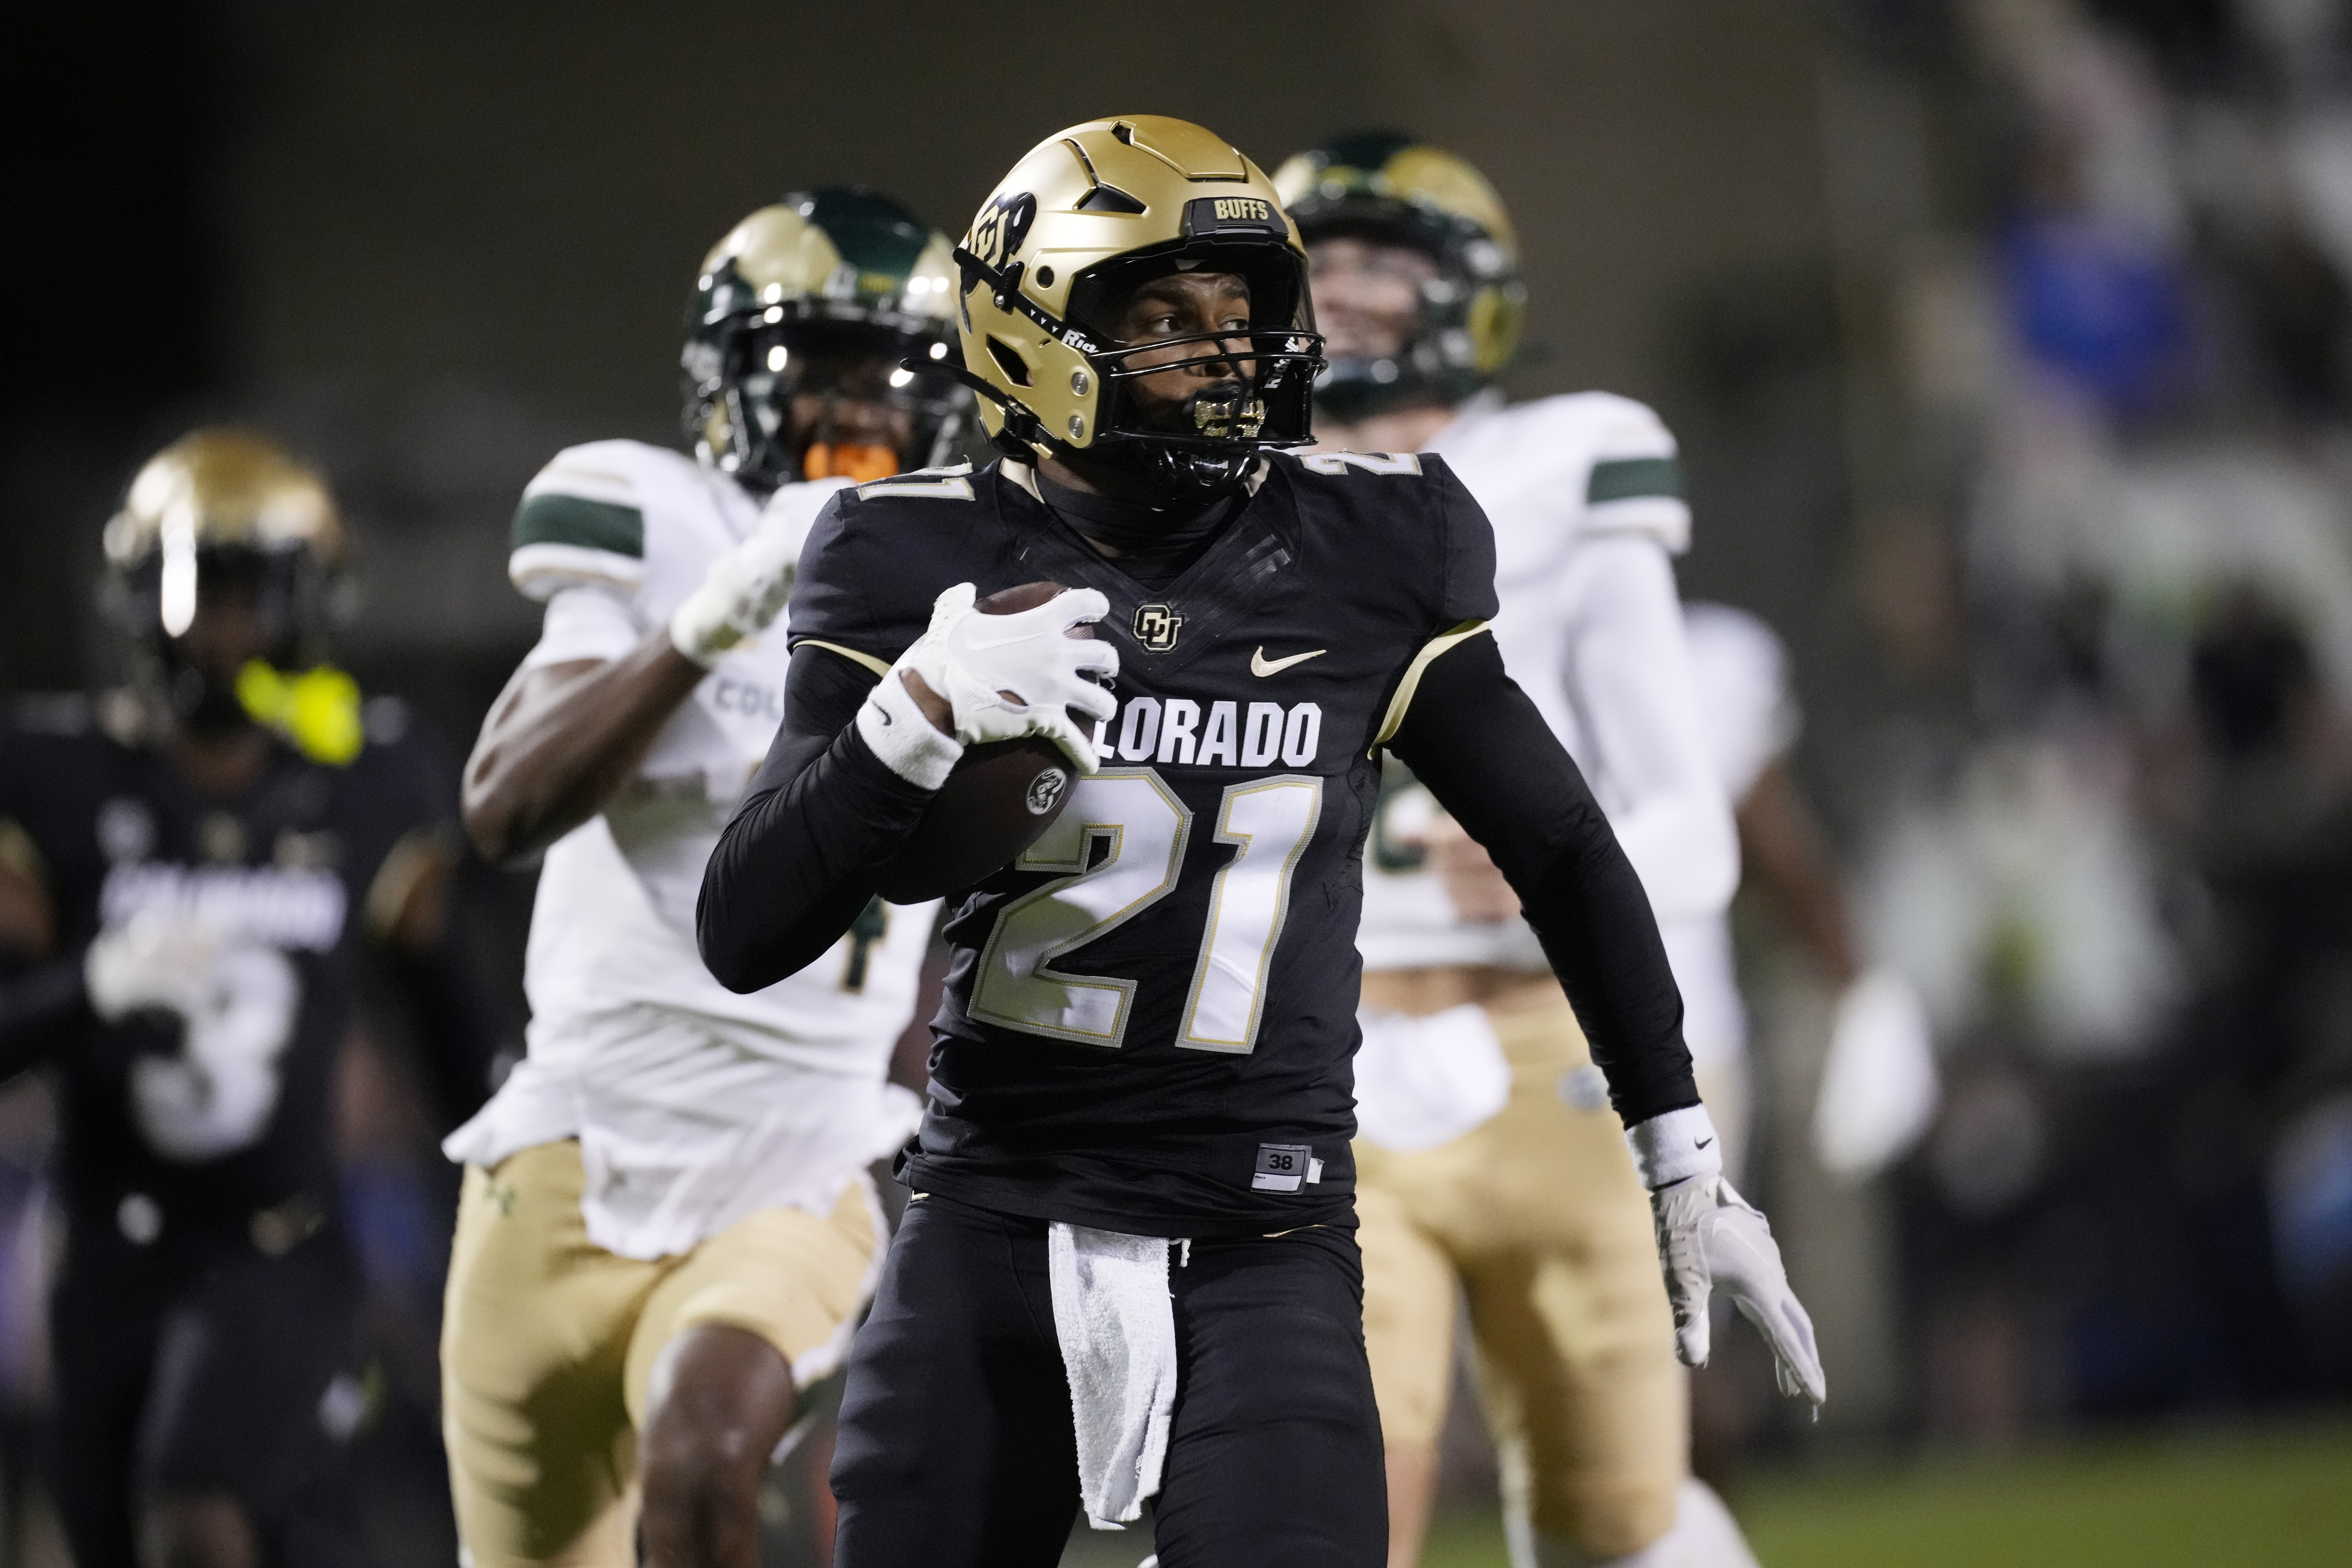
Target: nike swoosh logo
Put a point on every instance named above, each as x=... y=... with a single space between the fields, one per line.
x=1261 y=665
x=1703 y=1142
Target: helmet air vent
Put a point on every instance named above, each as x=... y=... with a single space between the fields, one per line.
x=1109 y=199
x=1015 y=369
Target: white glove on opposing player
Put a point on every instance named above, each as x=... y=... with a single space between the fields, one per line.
x=746 y=587
x=1880 y=1085
x=238 y=1002
x=1003 y=676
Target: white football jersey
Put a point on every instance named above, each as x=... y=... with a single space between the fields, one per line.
x=693 y=1105
x=1745 y=701
x=1584 y=494
x=1740 y=672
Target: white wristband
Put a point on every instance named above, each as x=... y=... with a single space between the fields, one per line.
x=1677 y=1145
x=909 y=744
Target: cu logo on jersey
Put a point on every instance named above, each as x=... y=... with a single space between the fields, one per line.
x=1003 y=224
x=1156 y=626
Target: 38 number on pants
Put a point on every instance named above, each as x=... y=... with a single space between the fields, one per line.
x=1121 y=841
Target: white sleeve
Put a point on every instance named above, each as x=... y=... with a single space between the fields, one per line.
x=1747 y=713
x=586 y=623
x=1629 y=675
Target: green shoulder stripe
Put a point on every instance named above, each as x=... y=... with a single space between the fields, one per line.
x=587 y=525
x=1632 y=479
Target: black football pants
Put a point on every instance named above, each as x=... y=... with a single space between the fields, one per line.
x=957 y=1450
x=192 y=1364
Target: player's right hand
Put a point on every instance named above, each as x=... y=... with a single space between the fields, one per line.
x=744 y=589
x=1003 y=677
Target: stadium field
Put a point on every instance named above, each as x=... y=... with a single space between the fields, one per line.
x=2279 y=1498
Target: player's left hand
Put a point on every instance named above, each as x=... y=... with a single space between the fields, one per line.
x=1710 y=1236
x=237 y=1003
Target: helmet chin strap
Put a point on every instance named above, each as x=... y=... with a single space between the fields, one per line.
x=1023 y=429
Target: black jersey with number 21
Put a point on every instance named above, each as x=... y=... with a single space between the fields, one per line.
x=1150 y=1015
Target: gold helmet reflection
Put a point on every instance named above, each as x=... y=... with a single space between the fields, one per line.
x=213 y=489
x=1089 y=213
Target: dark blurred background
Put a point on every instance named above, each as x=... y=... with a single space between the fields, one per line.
x=2009 y=345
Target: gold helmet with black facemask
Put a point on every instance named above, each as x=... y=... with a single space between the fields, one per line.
x=1087 y=218
x=826 y=297
x=1387 y=188
x=231 y=517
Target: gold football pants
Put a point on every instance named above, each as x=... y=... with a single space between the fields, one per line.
x=547 y=1345
x=1539 y=1218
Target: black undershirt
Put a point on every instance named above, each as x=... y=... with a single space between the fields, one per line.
x=1154 y=544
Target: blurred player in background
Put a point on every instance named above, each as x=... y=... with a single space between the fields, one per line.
x=187 y=873
x=1489 y=1162
x=667 y=1230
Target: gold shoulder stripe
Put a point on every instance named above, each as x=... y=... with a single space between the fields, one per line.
x=1393 y=719
x=851 y=653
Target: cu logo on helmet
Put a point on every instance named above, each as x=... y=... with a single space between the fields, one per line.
x=1156 y=626
x=1003 y=224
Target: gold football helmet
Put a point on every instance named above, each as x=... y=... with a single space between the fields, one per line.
x=1387 y=186
x=1090 y=214
x=229 y=513
x=815 y=296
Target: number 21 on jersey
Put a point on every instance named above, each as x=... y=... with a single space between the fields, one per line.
x=1120 y=845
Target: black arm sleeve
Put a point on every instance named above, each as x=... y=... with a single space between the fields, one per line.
x=37 y=1000
x=1485 y=752
x=808 y=845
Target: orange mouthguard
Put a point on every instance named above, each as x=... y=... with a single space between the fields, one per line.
x=825 y=460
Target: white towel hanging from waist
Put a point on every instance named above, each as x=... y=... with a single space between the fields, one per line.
x=1117 y=1325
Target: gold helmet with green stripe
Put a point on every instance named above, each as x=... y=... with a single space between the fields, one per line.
x=1089 y=216
x=827 y=298
x=1388 y=188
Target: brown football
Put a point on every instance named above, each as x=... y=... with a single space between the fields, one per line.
x=999 y=799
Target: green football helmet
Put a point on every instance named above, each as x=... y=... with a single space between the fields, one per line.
x=1385 y=186
x=804 y=301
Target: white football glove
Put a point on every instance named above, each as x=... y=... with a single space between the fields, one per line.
x=237 y=1001
x=1003 y=676
x=1710 y=1236
x=745 y=589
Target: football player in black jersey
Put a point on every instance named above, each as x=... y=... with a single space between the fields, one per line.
x=186 y=876
x=1127 y=1270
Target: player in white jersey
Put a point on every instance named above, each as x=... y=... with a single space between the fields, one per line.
x=1489 y=1166
x=667 y=1230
